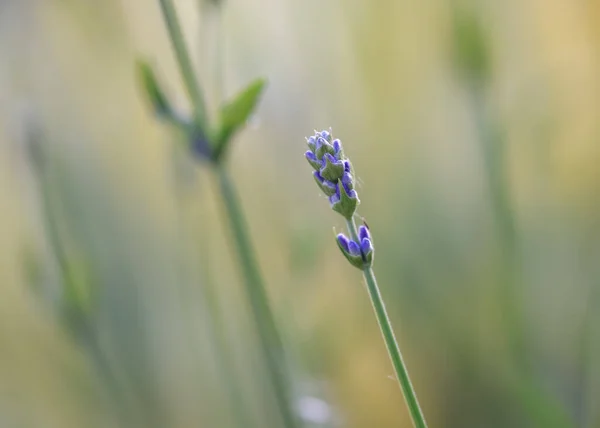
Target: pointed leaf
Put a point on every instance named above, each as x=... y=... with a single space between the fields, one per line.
x=235 y=114
x=154 y=92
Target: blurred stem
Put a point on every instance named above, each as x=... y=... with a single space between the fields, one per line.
x=213 y=37
x=391 y=343
x=270 y=339
x=185 y=64
x=539 y=403
x=493 y=149
x=76 y=319
x=223 y=357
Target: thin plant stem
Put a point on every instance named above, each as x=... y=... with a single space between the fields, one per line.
x=390 y=340
x=215 y=329
x=185 y=63
x=270 y=340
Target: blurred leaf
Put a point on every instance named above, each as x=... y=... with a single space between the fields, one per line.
x=154 y=92
x=78 y=290
x=471 y=50
x=235 y=114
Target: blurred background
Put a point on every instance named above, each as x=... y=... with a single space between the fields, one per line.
x=474 y=130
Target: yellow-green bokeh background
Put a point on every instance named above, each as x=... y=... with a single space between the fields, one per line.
x=146 y=223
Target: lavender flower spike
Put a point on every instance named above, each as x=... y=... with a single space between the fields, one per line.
x=333 y=172
x=334 y=175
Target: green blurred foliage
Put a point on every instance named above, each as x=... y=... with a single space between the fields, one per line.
x=442 y=164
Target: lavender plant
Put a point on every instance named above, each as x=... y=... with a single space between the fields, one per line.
x=334 y=175
x=209 y=142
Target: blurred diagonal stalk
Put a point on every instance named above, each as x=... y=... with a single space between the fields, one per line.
x=493 y=152
x=271 y=343
x=269 y=337
x=186 y=66
x=541 y=405
x=75 y=312
x=391 y=343
x=215 y=323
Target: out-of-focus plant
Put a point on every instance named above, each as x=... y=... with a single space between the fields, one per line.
x=335 y=177
x=473 y=62
x=210 y=142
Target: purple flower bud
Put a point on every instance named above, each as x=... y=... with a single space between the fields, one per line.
x=348 y=180
x=347 y=166
x=335 y=198
x=312 y=160
x=353 y=248
x=366 y=246
x=349 y=190
x=351 y=251
x=337 y=145
x=326 y=135
x=326 y=186
x=343 y=241
x=318 y=176
x=363 y=233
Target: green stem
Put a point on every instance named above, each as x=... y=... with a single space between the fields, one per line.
x=185 y=63
x=390 y=341
x=270 y=340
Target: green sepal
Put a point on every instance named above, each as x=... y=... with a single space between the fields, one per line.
x=235 y=114
x=324 y=148
x=315 y=164
x=154 y=92
x=332 y=172
x=369 y=258
x=346 y=206
x=327 y=190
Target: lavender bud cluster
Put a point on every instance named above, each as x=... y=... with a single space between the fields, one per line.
x=333 y=172
x=334 y=175
x=359 y=254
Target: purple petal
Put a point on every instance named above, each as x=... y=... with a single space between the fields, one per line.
x=324 y=134
x=366 y=246
x=343 y=242
x=337 y=145
x=363 y=233
x=353 y=248
x=347 y=180
x=329 y=184
x=330 y=158
x=350 y=192
x=318 y=176
x=347 y=166
x=335 y=198
x=310 y=156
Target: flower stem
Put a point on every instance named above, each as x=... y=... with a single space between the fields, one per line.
x=390 y=340
x=270 y=340
x=185 y=63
